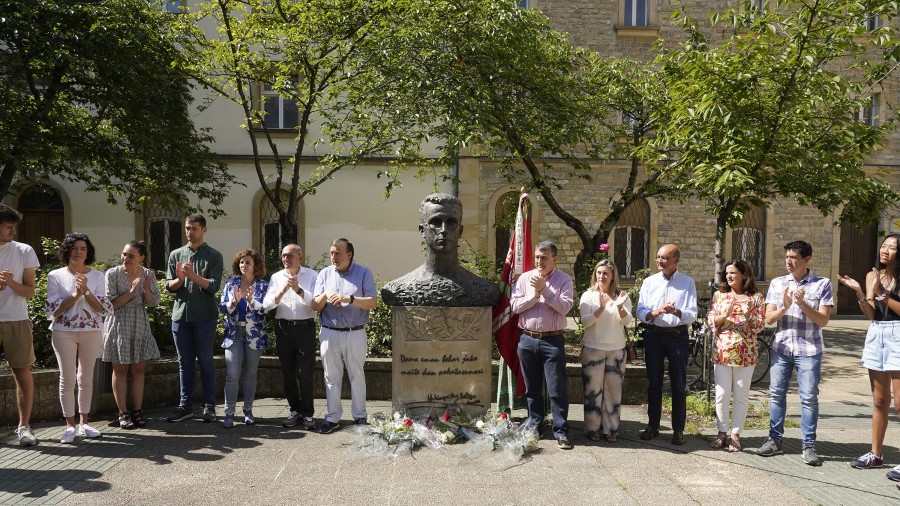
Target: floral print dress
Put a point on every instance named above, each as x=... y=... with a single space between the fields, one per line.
x=735 y=343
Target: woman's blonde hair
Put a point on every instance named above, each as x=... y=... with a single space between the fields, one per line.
x=613 y=284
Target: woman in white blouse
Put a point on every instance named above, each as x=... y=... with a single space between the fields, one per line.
x=605 y=312
x=76 y=303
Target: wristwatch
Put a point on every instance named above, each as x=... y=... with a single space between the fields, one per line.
x=87 y=292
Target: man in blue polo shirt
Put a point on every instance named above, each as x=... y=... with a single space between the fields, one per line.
x=344 y=295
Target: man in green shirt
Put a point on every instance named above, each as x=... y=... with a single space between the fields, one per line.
x=193 y=276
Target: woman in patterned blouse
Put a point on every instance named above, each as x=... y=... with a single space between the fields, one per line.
x=736 y=316
x=76 y=303
x=245 y=330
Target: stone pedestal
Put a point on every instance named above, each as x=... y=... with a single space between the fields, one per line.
x=442 y=358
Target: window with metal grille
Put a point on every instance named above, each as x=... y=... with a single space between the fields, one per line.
x=164 y=233
x=631 y=239
x=504 y=221
x=636 y=12
x=873 y=22
x=748 y=240
x=270 y=228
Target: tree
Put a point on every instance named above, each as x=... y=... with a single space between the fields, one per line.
x=320 y=57
x=500 y=82
x=773 y=109
x=90 y=95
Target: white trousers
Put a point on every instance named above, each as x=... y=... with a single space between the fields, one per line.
x=76 y=354
x=340 y=349
x=732 y=382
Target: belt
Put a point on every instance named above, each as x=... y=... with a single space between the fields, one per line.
x=283 y=321
x=668 y=330
x=344 y=329
x=541 y=335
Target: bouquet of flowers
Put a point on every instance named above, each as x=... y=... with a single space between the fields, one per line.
x=497 y=431
x=391 y=436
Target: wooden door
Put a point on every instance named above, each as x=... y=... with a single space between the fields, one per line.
x=858 y=256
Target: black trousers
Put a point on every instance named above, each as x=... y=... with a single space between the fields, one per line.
x=296 y=347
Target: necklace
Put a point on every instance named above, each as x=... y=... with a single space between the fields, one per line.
x=82 y=271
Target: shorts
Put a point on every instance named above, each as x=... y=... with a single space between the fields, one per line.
x=882 y=349
x=18 y=343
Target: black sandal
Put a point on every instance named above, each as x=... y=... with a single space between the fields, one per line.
x=125 y=421
x=137 y=418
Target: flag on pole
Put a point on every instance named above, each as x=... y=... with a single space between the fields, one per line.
x=519 y=259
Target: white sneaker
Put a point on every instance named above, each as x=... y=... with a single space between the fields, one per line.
x=26 y=437
x=68 y=436
x=87 y=431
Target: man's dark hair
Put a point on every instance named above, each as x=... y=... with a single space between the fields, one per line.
x=196 y=218
x=440 y=199
x=9 y=215
x=348 y=246
x=802 y=247
x=546 y=246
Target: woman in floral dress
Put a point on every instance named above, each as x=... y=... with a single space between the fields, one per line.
x=736 y=316
x=76 y=304
x=245 y=330
x=127 y=339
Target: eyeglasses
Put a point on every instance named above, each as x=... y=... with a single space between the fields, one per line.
x=82 y=237
x=663 y=259
x=288 y=255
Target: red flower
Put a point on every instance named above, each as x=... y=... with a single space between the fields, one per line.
x=446 y=416
x=407 y=422
x=503 y=416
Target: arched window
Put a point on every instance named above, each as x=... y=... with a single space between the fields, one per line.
x=164 y=229
x=631 y=239
x=270 y=229
x=43 y=215
x=504 y=222
x=748 y=240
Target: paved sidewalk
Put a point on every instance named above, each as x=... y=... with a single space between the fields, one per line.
x=192 y=461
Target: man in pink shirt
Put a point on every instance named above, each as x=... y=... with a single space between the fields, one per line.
x=542 y=298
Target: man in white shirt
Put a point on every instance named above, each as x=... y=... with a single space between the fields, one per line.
x=291 y=293
x=18 y=269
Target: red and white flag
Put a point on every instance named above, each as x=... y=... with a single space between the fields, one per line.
x=519 y=259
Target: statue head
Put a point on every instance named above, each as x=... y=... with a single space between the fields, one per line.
x=439 y=222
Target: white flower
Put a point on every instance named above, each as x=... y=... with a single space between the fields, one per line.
x=397 y=415
x=479 y=424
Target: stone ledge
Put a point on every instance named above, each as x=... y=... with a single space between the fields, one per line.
x=161 y=386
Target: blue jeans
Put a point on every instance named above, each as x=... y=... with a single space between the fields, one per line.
x=236 y=355
x=658 y=346
x=194 y=341
x=808 y=375
x=539 y=360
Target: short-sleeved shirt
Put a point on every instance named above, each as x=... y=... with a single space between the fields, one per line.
x=192 y=303
x=797 y=335
x=16 y=257
x=357 y=281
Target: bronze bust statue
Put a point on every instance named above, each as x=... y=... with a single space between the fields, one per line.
x=441 y=280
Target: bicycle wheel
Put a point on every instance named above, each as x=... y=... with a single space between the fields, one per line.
x=763 y=360
x=695 y=378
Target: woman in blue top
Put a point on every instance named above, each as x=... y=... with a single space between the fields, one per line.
x=245 y=330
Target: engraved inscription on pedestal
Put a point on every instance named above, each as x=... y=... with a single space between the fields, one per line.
x=442 y=357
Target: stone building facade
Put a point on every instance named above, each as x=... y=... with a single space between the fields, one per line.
x=599 y=25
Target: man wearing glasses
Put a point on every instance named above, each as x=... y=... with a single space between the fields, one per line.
x=193 y=276
x=667 y=305
x=542 y=297
x=344 y=294
x=291 y=293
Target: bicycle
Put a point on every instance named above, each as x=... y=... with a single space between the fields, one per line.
x=700 y=346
